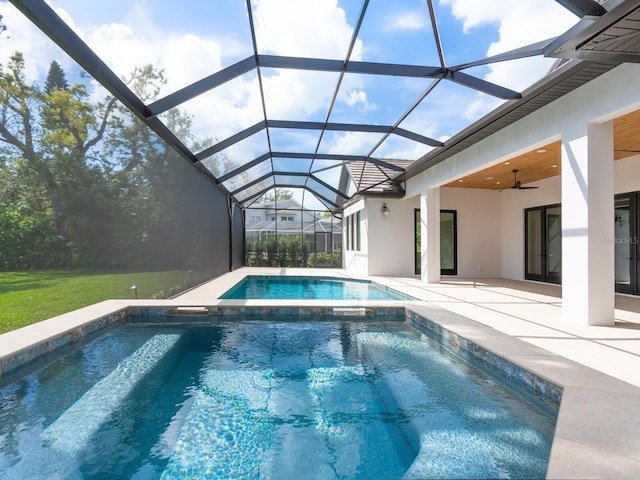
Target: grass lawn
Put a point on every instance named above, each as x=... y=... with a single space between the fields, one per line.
x=28 y=297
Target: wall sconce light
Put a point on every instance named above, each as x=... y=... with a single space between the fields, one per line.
x=385 y=210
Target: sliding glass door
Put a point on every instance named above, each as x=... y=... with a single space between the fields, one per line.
x=543 y=244
x=626 y=228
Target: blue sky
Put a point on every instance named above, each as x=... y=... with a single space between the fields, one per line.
x=193 y=39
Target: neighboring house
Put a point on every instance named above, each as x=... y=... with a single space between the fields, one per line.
x=322 y=232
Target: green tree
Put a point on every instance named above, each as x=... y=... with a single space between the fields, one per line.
x=56 y=79
x=53 y=134
x=276 y=194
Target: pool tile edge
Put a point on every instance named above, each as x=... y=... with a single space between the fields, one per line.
x=589 y=398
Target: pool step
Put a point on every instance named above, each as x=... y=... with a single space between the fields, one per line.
x=260 y=424
x=445 y=447
x=228 y=428
x=74 y=429
x=353 y=422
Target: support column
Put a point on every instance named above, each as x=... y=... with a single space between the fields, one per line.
x=587 y=225
x=430 y=235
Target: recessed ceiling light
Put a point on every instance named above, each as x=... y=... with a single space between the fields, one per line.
x=542 y=150
x=497 y=183
x=554 y=166
x=489 y=178
x=460 y=180
x=507 y=163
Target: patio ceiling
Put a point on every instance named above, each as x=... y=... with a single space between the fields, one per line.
x=377 y=100
x=544 y=161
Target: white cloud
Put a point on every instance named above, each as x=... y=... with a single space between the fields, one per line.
x=406 y=150
x=473 y=13
x=313 y=28
x=351 y=143
x=480 y=106
x=407 y=21
x=189 y=58
x=518 y=23
x=358 y=99
x=118 y=46
x=21 y=35
x=297 y=94
x=355 y=96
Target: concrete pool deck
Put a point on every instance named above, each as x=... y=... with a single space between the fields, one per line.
x=598 y=429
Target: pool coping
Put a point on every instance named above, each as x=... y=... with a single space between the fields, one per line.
x=597 y=431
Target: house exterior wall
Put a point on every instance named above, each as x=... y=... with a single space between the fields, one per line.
x=387 y=244
x=627 y=175
x=356 y=261
x=479 y=229
x=391 y=240
x=491 y=223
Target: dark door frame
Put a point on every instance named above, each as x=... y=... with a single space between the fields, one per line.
x=454 y=270
x=544 y=276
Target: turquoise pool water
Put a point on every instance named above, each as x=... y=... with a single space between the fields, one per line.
x=247 y=399
x=310 y=288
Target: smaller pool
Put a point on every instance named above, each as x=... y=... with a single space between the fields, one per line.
x=310 y=288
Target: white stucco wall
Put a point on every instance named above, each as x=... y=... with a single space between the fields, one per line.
x=479 y=229
x=391 y=240
x=356 y=262
x=627 y=175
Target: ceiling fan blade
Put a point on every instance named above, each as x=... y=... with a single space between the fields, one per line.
x=517 y=183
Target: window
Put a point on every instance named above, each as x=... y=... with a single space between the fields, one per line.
x=353 y=232
x=358 y=231
x=353 y=237
x=417 y=242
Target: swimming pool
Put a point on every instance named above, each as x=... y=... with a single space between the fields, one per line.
x=178 y=399
x=310 y=288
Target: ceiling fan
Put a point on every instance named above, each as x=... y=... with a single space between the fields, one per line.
x=517 y=184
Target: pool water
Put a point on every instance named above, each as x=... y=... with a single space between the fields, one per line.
x=310 y=288
x=268 y=399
